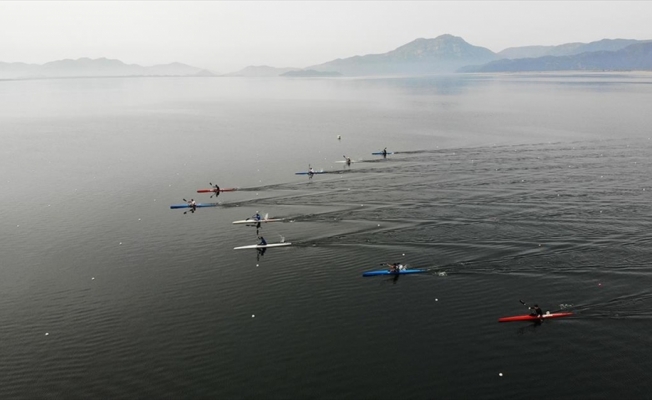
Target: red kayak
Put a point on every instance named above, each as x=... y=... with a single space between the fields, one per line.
x=213 y=190
x=528 y=317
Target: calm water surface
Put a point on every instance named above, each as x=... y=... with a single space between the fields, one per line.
x=506 y=188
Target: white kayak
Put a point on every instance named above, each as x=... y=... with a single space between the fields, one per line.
x=254 y=222
x=262 y=246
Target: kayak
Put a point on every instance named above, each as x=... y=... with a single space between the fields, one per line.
x=198 y=205
x=380 y=153
x=254 y=222
x=262 y=246
x=308 y=173
x=213 y=190
x=529 y=317
x=401 y=272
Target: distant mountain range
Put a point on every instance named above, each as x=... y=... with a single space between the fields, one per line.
x=101 y=67
x=635 y=57
x=448 y=53
x=443 y=54
x=568 y=49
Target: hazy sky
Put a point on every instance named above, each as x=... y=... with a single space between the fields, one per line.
x=227 y=36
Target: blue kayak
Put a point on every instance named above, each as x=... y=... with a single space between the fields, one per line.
x=198 y=205
x=380 y=153
x=401 y=272
x=308 y=173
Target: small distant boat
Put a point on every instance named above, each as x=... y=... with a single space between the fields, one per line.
x=380 y=153
x=528 y=317
x=399 y=272
x=308 y=173
x=251 y=221
x=262 y=246
x=198 y=205
x=213 y=190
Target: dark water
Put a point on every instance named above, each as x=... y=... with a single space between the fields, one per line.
x=506 y=188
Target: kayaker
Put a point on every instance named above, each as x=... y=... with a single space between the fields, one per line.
x=536 y=311
x=262 y=241
x=192 y=204
x=348 y=161
x=385 y=152
x=311 y=172
x=217 y=190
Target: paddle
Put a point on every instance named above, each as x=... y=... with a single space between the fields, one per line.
x=217 y=189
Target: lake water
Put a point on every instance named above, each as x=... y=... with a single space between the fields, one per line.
x=505 y=187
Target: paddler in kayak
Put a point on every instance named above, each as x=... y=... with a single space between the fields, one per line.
x=311 y=172
x=396 y=267
x=255 y=217
x=263 y=242
x=348 y=160
x=193 y=204
x=385 y=152
x=536 y=311
x=217 y=189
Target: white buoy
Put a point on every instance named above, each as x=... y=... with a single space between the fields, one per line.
x=46 y=333
x=120 y=242
x=93 y=278
x=253 y=316
x=500 y=374
x=436 y=299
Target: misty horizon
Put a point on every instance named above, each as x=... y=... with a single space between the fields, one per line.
x=225 y=36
